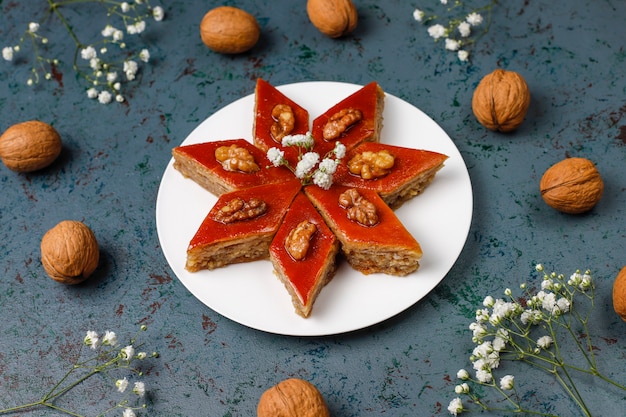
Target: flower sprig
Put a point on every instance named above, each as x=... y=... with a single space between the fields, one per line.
x=104 y=65
x=309 y=169
x=532 y=329
x=458 y=33
x=108 y=357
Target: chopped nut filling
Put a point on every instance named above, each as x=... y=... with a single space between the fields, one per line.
x=358 y=208
x=298 y=241
x=236 y=158
x=371 y=165
x=339 y=122
x=239 y=209
x=284 y=121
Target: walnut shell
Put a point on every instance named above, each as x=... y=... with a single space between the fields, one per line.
x=619 y=294
x=501 y=100
x=334 y=18
x=29 y=146
x=69 y=252
x=229 y=30
x=572 y=186
x=292 y=398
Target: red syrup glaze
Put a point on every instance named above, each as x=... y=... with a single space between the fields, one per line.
x=266 y=97
x=408 y=164
x=366 y=100
x=304 y=274
x=277 y=196
x=204 y=154
x=389 y=231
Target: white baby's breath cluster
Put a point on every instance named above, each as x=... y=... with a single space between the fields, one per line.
x=104 y=65
x=532 y=329
x=109 y=356
x=457 y=33
x=311 y=168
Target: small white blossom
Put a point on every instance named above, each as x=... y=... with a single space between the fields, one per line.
x=489 y=301
x=124 y=7
x=7 y=53
x=507 y=382
x=128 y=413
x=95 y=63
x=462 y=388
x=128 y=352
x=121 y=384
x=104 y=97
x=117 y=35
x=531 y=316
x=119 y=98
x=111 y=76
x=322 y=179
x=482 y=315
x=108 y=31
x=418 y=15
x=306 y=164
x=276 y=156
x=130 y=69
x=158 y=14
x=92 y=93
x=144 y=55
x=109 y=339
x=544 y=342
x=462 y=374
x=33 y=27
x=92 y=339
x=484 y=376
x=303 y=141
x=139 y=389
x=117 y=86
x=437 y=31
x=474 y=19
x=463 y=55
x=136 y=28
x=452 y=44
x=340 y=150
x=444 y=1
x=455 y=407
x=464 y=29
x=142 y=355
x=88 y=53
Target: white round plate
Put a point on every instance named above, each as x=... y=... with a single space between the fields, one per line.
x=250 y=293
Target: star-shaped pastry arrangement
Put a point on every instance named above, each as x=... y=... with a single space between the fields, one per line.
x=267 y=210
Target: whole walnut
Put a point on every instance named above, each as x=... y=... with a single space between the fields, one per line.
x=29 y=146
x=572 y=186
x=292 y=398
x=69 y=252
x=501 y=100
x=334 y=18
x=619 y=294
x=229 y=30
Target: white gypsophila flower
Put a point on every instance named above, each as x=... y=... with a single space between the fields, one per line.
x=462 y=388
x=474 y=19
x=124 y=7
x=130 y=69
x=340 y=150
x=88 y=53
x=322 y=179
x=483 y=350
x=144 y=55
x=544 y=342
x=455 y=407
x=7 y=53
x=484 y=376
x=121 y=384
x=119 y=98
x=418 y=15
x=507 y=382
x=499 y=343
x=138 y=27
x=437 y=31
x=328 y=166
x=444 y=1
x=33 y=27
x=452 y=44
x=128 y=413
x=547 y=284
x=95 y=63
x=92 y=93
x=104 y=97
x=306 y=164
x=465 y=29
x=158 y=14
x=128 y=352
x=117 y=86
x=139 y=389
x=92 y=339
x=108 y=31
x=489 y=301
x=463 y=55
x=531 y=316
x=117 y=35
x=142 y=355
x=482 y=315
x=301 y=140
x=109 y=339
x=479 y=331
x=111 y=76
x=462 y=374
x=275 y=156
x=563 y=305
